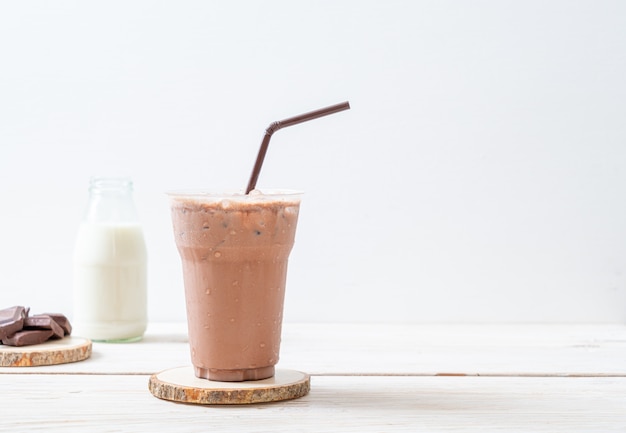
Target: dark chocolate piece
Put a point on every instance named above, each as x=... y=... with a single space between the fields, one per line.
x=28 y=337
x=44 y=321
x=11 y=320
x=18 y=329
x=62 y=321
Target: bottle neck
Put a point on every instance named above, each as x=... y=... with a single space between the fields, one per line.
x=110 y=184
x=111 y=201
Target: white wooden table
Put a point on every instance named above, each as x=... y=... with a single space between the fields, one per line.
x=382 y=378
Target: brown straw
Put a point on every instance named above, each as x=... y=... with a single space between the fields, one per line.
x=275 y=126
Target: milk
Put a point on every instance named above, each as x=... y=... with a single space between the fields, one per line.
x=110 y=281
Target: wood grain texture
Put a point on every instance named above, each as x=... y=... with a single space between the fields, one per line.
x=52 y=352
x=110 y=403
x=364 y=378
x=180 y=385
x=383 y=349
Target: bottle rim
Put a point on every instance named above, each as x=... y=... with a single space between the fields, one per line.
x=110 y=183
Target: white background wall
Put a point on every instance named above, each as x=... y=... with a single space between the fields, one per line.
x=479 y=176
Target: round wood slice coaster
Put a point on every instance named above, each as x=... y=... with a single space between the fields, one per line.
x=181 y=385
x=67 y=349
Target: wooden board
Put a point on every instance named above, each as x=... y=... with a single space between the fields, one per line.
x=181 y=385
x=79 y=403
x=52 y=352
x=346 y=349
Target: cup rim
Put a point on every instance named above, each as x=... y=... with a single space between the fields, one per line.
x=200 y=193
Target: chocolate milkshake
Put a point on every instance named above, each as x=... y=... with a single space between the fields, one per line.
x=234 y=251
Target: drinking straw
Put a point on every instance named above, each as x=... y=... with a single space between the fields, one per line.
x=275 y=126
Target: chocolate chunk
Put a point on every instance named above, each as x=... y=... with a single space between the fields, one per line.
x=11 y=320
x=18 y=329
x=28 y=337
x=44 y=321
x=62 y=321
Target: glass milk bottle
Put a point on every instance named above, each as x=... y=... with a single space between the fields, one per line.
x=110 y=266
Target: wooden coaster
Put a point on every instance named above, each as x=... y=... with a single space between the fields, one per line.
x=52 y=352
x=181 y=385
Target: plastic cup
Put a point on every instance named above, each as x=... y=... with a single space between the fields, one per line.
x=234 y=250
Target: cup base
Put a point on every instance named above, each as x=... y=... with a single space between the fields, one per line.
x=236 y=375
